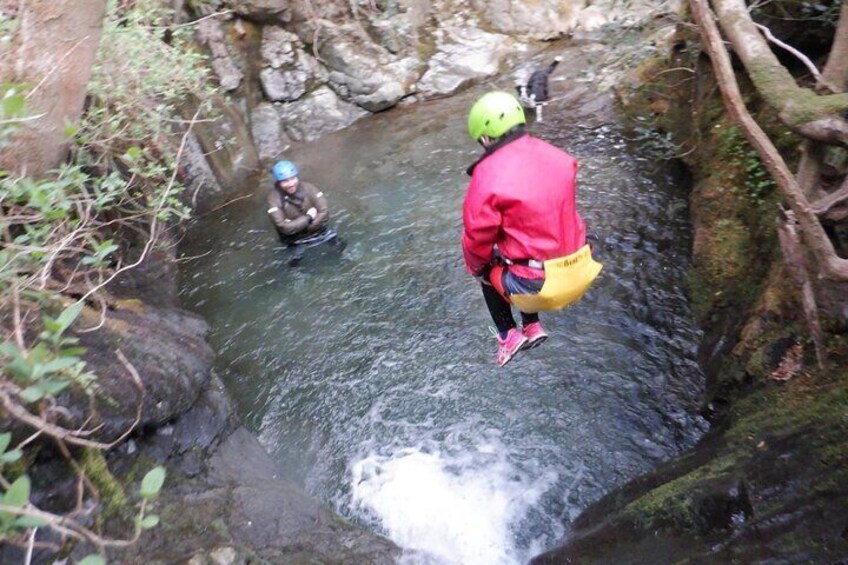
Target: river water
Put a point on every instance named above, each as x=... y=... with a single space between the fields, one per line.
x=370 y=375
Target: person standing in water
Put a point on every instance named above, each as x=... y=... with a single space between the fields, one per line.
x=523 y=238
x=299 y=211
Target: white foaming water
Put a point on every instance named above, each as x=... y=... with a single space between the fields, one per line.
x=447 y=510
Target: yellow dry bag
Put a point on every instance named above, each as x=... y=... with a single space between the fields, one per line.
x=566 y=280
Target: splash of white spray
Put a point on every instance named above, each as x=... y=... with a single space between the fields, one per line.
x=446 y=510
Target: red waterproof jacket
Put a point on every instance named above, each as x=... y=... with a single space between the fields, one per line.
x=521 y=198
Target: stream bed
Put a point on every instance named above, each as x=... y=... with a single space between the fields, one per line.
x=369 y=374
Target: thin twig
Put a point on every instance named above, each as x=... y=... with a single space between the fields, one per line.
x=155 y=221
x=73 y=437
x=801 y=57
x=225 y=204
x=21 y=120
x=198 y=20
x=30 y=546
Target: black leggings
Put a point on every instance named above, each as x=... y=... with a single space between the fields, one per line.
x=501 y=311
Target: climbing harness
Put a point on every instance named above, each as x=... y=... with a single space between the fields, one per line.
x=566 y=280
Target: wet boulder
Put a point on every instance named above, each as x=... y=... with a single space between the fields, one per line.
x=211 y=34
x=269 y=135
x=365 y=73
x=165 y=346
x=264 y=11
x=544 y=20
x=229 y=151
x=316 y=114
x=462 y=55
x=288 y=70
x=239 y=508
x=722 y=506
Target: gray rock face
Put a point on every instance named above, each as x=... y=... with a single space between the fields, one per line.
x=239 y=509
x=289 y=71
x=198 y=177
x=278 y=46
x=166 y=345
x=229 y=151
x=283 y=86
x=365 y=73
x=265 y=11
x=210 y=32
x=317 y=114
x=268 y=133
x=464 y=54
x=541 y=19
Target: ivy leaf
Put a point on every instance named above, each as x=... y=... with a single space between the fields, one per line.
x=13 y=105
x=133 y=153
x=150 y=521
x=68 y=315
x=93 y=559
x=30 y=522
x=152 y=482
x=5 y=440
x=72 y=351
x=59 y=364
x=32 y=393
x=20 y=369
x=16 y=497
x=11 y=456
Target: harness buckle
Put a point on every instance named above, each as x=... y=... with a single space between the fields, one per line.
x=532 y=263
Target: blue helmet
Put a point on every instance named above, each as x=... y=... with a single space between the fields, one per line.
x=284 y=170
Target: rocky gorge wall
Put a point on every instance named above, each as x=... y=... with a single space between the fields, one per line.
x=293 y=71
x=288 y=71
x=769 y=482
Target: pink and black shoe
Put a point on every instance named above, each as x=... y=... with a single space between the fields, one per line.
x=514 y=342
x=535 y=334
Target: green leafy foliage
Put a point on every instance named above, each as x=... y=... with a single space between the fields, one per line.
x=52 y=363
x=152 y=482
x=12 y=108
x=17 y=497
x=8 y=456
x=75 y=228
x=755 y=183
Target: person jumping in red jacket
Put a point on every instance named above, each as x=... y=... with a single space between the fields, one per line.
x=519 y=213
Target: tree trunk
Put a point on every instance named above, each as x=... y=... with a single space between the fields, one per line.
x=835 y=73
x=801 y=109
x=835 y=79
x=52 y=52
x=829 y=264
x=793 y=259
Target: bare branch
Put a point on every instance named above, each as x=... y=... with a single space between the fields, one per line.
x=801 y=57
x=30 y=546
x=73 y=437
x=72 y=528
x=154 y=223
x=824 y=207
x=797 y=107
x=793 y=259
x=836 y=69
x=198 y=20
x=830 y=264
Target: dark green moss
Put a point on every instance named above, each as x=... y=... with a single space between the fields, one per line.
x=109 y=489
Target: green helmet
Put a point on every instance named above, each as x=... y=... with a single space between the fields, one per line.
x=494 y=114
